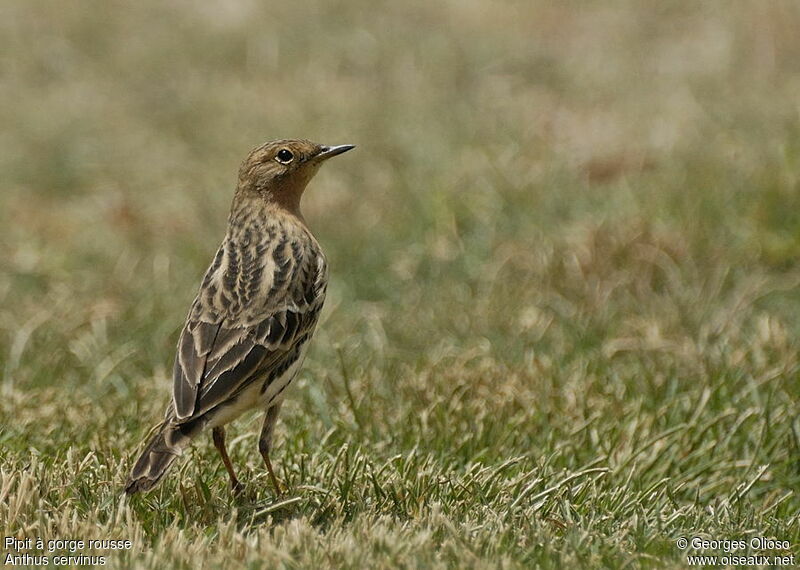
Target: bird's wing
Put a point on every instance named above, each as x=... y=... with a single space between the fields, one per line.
x=246 y=327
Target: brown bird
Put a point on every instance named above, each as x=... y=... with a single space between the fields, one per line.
x=248 y=329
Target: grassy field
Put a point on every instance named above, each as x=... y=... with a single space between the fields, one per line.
x=563 y=322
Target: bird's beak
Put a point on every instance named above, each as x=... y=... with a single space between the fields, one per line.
x=328 y=151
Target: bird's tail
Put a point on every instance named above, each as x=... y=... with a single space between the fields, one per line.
x=161 y=451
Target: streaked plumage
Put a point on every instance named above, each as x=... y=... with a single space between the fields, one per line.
x=248 y=328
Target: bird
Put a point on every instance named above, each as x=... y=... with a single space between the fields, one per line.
x=249 y=327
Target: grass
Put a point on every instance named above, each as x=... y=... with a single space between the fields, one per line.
x=562 y=327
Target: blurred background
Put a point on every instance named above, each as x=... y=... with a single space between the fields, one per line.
x=489 y=135
x=558 y=213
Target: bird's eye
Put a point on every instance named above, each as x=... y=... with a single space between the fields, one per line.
x=284 y=156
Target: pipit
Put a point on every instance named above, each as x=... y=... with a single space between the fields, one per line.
x=249 y=327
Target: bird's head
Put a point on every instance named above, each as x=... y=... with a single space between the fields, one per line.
x=278 y=171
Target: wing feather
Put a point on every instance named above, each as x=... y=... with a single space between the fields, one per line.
x=217 y=359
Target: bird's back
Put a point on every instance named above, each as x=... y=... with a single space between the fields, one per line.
x=258 y=305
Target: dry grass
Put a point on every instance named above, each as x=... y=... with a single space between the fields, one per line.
x=563 y=321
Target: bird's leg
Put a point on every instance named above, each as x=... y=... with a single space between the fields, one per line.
x=218 y=433
x=265 y=443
